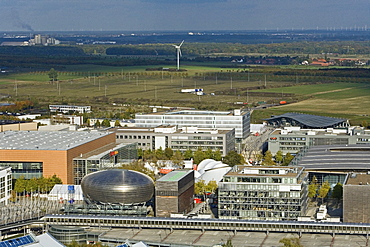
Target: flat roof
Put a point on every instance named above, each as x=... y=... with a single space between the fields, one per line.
x=196 y=112
x=358 y=179
x=47 y=140
x=239 y=171
x=174 y=176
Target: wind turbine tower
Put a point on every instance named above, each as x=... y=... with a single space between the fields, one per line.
x=178 y=49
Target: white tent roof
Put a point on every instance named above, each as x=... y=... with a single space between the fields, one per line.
x=210 y=169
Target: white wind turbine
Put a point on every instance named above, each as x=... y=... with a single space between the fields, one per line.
x=178 y=49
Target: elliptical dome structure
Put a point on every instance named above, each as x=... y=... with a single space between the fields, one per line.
x=118 y=186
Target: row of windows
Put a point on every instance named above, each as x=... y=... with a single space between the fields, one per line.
x=363 y=139
x=132 y=137
x=292 y=138
x=195 y=147
x=293 y=143
x=196 y=143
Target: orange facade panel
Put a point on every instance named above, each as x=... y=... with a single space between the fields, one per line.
x=58 y=162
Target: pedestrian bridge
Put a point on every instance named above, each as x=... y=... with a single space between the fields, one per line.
x=207 y=224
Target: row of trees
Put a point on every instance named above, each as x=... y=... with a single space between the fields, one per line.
x=42 y=185
x=279 y=159
x=194 y=49
x=177 y=157
x=317 y=191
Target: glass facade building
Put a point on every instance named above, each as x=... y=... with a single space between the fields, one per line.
x=115 y=157
x=263 y=193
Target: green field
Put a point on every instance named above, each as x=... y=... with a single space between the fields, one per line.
x=344 y=100
x=135 y=86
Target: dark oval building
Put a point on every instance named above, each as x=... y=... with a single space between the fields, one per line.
x=118 y=186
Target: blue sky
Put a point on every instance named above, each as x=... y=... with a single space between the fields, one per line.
x=181 y=15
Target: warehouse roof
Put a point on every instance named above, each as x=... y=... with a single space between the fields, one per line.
x=307 y=120
x=46 y=140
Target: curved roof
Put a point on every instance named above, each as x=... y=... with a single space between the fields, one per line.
x=337 y=157
x=210 y=169
x=307 y=120
x=118 y=186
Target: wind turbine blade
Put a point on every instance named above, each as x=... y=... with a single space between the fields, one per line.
x=180 y=52
x=181 y=43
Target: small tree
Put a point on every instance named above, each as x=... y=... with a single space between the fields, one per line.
x=117 y=123
x=279 y=157
x=168 y=153
x=105 y=123
x=287 y=159
x=53 y=75
x=97 y=124
x=211 y=186
x=291 y=242
x=323 y=191
x=200 y=187
x=199 y=156
x=188 y=154
x=267 y=159
x=233 y=159
x=217 y=155
x=337 y=191
x=177 y=158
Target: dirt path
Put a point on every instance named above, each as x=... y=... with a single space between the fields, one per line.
x=332 y=91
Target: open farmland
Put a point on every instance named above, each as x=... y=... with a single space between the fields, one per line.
x=101 y=86
x=344 y=100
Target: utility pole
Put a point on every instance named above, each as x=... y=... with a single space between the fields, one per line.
x=105 y=91
x=16 y=88
x=231 y=83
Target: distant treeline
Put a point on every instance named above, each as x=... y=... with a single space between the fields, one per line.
x=196 y=49
x=38 y=51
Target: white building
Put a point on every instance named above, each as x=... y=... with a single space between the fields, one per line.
x=5 y=185
x=67 y=108
x=237 y=119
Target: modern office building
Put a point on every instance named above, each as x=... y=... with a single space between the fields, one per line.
x=45 y=153
x=5 y=185
x=174 y=193
x=69 y=108
x=237 y=119
x=293 y=139
x=263 y=193
x=332 y=163
x=178 y=139
x=66 y=119
x=356 y=198
x=306 y=121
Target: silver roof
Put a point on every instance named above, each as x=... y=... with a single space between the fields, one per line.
x=46 y=140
